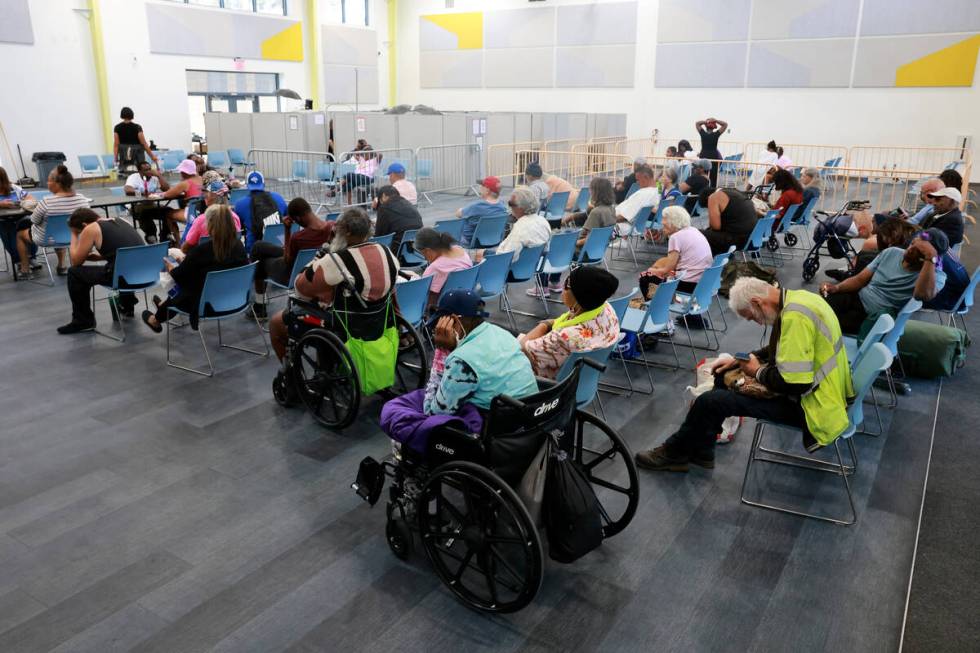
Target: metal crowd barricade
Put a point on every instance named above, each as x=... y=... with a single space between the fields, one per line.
x=296 y=173
x=801 y=154
x=447 y=168
x=352 y=190
x=503 y=162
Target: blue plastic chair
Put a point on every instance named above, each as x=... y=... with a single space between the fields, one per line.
x=639 y=226
x=461 y=279
x=452 y=227
x=555 y=209
x=135 y=268
x=325 y=170
x=275 y=234
x=882 y=326
x=594 y=248
x=965 y=302
x=524 y=268
x=758 y=238
x=169 y=161
x=236 y=157
x=492 y=280
x=218 y=159
x=226 y=293
x=699 y=305
x=409 y=257
x=582 y=202
x=557 y=260
x=633 y=188
x=587 y=390
x=90 y=164
x=655 y=320
x=237 y=194
x=303 y=258
x=723 y=258
x=108 y=163
x=117 y=191
x=489 y=232
x=385 y=240
x=877 y=359
x=57 y=235
x=891 y=341
x=301 y=169
x=413 y=299
x=620 y=304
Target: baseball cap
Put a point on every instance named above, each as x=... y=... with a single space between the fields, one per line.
x=188 y=167
x=255 y=181
x=533 y=169
x=951 y=193
x=396 y=168
x=492 y=184
x=464 y=303
x=217 y=187
x=936 y=238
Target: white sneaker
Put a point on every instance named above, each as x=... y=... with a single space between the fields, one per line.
x=534 y=292
x=556 y=288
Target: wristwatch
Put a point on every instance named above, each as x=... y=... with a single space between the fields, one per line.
x=935 y=261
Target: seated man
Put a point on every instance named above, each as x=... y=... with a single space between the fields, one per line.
x=558 y=185
x=889 y=282
x=93 y=239
x=145 y=181
x=696 y=182
x=258 y=209
x=368 y=267
x=946 y=215
x=623 y=187
x=488 y=206
x=275 y=262
x=805 y=344
x=474 y=361
x=405 y=188
x=892 y=232
x=396 y=215
x=647 y=195
x=957 y=280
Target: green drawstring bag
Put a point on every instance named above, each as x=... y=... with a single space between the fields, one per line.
x=375 y=359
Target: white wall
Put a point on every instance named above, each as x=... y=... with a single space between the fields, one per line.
x=892 y=116
x=49 y=100
x=56 y=104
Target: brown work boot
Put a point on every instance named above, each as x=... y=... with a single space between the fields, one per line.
x=658 y=460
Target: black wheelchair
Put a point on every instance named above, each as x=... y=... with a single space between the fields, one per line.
x=318 y=369
x=459 y=496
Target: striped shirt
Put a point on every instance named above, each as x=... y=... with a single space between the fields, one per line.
x=54 y=205
x=369 y=266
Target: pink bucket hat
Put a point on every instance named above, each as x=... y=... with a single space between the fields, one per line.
x=188 y=167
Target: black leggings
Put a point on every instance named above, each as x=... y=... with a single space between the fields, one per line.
x=271 y=264
x=849 y=310
x=649 y=280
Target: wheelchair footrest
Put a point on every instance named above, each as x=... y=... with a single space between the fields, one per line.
x=370 y=480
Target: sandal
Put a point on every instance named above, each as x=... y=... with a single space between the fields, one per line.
x=146 y=315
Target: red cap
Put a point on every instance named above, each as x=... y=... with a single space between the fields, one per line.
x=492 y=184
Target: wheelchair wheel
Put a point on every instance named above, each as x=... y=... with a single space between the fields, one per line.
x=790 y=239
x=479 y=538
x=399 y=537
x=412 y=366
x=284 y=389
x=326 y=378
x=608 y=463
x=810 y=268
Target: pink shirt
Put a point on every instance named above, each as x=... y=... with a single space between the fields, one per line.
x=200 y=228
x=407 y=190
x=440 y=268
x=694 y=251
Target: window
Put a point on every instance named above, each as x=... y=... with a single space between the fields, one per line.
x=354 y=12
x=277 y=7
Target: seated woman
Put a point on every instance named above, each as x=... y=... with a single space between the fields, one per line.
x=366 y=164
x=214 y=193
x=443 y=256
x=11 y=195
x=31 y=231
x=589 y=323
x=474 y=362
x=790 y=193
x=188 y=188
x=223 y=251
x=688 y=254
x=601 y=211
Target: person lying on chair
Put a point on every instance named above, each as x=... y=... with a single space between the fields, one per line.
x=802 y=378
x=474 y=362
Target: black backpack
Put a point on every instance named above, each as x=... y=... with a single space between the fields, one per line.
x=570 y=509
x=263 y=205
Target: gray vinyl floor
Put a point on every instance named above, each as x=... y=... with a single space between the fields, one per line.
x=146 y=509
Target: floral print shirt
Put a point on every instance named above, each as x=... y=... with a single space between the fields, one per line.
x=549 y=352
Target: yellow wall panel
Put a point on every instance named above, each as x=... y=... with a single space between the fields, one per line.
x=287 y=45
x=952 y=66
x=468 y=27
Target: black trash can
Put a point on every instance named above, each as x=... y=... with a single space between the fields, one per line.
x=46 y=162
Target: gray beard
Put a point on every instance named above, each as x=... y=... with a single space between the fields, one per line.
x=338 y=243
